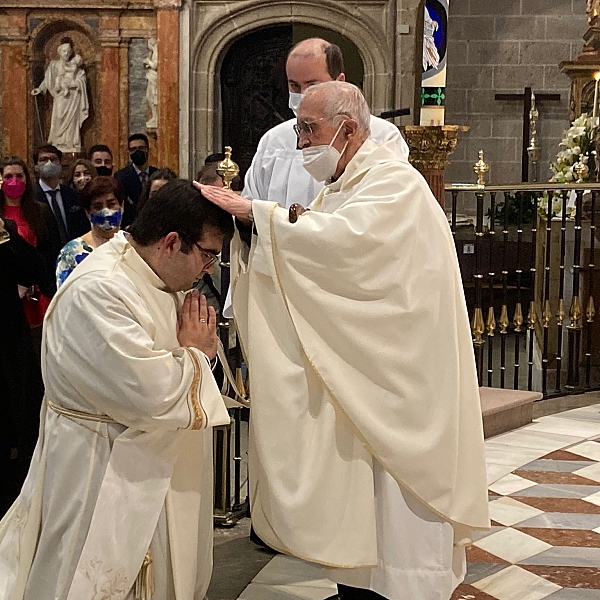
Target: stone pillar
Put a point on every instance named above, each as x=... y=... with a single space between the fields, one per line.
x=167 y=34
x=15 y=91
x=109 y=109
x=430 y=147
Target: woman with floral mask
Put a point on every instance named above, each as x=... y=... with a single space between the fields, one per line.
x=36 y=225
x=102 y=198
x=82 y=172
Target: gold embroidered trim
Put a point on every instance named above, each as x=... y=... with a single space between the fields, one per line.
x=195 y=390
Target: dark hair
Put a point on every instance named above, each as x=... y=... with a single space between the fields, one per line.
x=99 y=186
x=208 y=174
x=214 y=158
x=138 y=136
x=99 y=148
x=179 y=207
x=30 y=207
x=333 y=58
x=81 y=161
x=164 y=173
x=49 y=149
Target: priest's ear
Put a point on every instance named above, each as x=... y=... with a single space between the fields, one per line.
x=171 y=243
x=350 y=129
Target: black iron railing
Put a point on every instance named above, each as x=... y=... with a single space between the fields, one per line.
x=529 y=278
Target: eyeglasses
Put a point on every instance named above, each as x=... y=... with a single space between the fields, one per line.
x=305 y=127
x=212 y=258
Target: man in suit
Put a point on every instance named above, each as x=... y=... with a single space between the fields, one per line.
x=134 y=175
x=64 y=201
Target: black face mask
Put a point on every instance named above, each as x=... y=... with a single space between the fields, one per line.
x=138 y=158
x=104 y=171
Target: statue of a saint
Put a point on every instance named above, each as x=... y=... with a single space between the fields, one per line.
x=593 y=12
x=151 y=65
x=66 y=82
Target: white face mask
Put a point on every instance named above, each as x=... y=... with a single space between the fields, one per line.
x=294 y=102
x=322 y=161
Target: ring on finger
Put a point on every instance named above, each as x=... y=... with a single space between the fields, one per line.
x=202 y=320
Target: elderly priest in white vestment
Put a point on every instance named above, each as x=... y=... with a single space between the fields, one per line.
x=118 y=501
x=366 y=451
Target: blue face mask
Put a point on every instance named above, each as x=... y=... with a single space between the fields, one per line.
x=106 y=218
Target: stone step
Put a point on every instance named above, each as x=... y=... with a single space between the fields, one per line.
x=505 y=410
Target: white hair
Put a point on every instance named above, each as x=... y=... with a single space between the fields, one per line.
x=343 y=99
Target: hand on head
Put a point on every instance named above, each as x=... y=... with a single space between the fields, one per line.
x=233 y=203
x=197 y=325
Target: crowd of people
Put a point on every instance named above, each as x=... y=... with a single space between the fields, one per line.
x=64 y=214
x=366 y=440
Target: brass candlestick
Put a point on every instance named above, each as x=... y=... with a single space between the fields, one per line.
x=533 y=150
x=481 y=168
x=227 y=169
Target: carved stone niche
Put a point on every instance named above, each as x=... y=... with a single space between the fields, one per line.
x=44 y=41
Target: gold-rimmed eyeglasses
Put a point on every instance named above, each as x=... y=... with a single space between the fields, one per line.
x=211 y=258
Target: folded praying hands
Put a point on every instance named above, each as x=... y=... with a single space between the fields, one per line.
x=197 y=325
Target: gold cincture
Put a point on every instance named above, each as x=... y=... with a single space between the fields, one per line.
x=77 y=416
x=143 y=588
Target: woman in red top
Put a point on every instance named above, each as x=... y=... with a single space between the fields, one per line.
x=36 y=224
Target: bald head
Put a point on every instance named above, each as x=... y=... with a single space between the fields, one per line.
x=313 y=61
x=339 y=100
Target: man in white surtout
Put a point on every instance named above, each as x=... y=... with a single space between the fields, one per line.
x=276 y=171
x=118 y=501
x=366 y=447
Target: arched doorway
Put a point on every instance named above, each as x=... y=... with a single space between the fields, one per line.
x=254 y=91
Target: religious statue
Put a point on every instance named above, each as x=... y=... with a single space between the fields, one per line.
x=66 y=82
x=593 y=12
x=151 y=65
x=431 y=56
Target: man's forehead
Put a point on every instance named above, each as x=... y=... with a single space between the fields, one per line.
x=47 y=155
x=307 y=68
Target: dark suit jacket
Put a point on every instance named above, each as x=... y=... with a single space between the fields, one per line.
x=130 y=182
x=77 y=221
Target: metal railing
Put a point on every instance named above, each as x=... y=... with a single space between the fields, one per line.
x=527 y=276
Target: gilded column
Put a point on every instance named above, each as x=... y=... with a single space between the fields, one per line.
x=430 y=147
x=167 y=29
x=110 y=115
x=15 y=91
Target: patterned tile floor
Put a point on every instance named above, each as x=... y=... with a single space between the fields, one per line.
x=544 y=490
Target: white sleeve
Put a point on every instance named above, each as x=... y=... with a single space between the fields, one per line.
x=99 y=355
x=256 y=177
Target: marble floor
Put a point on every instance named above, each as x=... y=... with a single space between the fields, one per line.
x=544 y=493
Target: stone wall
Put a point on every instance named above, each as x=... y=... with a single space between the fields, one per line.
x=502 y=46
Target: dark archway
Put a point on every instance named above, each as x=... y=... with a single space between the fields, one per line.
x=254 y=90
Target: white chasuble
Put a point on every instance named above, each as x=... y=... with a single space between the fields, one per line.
x=354 y=324
x=99 y=495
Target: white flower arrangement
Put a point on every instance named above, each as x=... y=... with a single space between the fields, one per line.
x=578 y=145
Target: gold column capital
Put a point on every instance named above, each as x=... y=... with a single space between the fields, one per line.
x=431 y=145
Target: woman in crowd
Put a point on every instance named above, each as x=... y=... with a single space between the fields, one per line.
x=82 y=172
x=102 y=199
x=36 y=225
x=154 y=183
x=21 y=387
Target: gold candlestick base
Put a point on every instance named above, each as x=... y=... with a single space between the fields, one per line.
x=430 y=147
